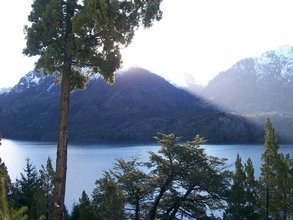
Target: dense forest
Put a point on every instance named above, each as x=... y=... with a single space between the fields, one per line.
x=180 y=181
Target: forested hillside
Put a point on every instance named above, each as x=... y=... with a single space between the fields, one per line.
x=135 y=108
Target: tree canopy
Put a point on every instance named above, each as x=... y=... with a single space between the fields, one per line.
x=178 y=180
x=72 y=37
x=88 y=33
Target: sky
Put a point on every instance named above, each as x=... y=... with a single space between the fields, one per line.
x=195 y=40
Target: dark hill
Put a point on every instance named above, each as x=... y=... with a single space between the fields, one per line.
x=136 y=107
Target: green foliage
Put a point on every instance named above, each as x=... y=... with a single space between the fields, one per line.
x=251 y=191
x=34 y=190
x=269 y=172
x=45 y=198
x=84 y=210
x=242 y=196
x=276 y=180
x=69 y=35
x=88 y=33
x=5 y=179
x=134 y=183
x=13 y=214
x=271 y=196
x=185 y=178
x=181 y=178
x=75 y=212
x=25 y=189
x=108 y=199
x=78 y=81
x=236 y=196
x=282 y=196
x=6 y=211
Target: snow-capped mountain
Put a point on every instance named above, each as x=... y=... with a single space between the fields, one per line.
x=277 y=63
x=5 y=90
x=258 y=87
x=34 y=81
x=258 y=84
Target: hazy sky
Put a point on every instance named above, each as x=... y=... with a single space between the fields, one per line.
x=195 y=37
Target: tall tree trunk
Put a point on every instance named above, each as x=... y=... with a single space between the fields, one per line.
x=61 y=160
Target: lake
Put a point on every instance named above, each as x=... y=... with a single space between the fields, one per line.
x=87 y=161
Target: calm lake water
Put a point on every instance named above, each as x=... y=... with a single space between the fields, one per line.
x=87 y=161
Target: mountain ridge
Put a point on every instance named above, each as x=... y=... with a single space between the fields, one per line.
x=136 y=107
x=258 y=88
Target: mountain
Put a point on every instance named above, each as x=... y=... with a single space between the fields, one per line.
x=136 y=107
x=29 y=109
x=257 y=88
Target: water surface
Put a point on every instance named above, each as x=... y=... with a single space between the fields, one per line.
x=87 y=161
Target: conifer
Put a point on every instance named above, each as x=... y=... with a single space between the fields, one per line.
x=70 y=36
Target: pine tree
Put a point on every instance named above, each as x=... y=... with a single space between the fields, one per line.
x=251 y=192
x=25 y=191
x=45 y=199
x=283 y=191
x=236 y=195
x=242 y=197
x=270 y=159
x=75 y=212
x=108 y=199
x=69 y=35
x=85 y=208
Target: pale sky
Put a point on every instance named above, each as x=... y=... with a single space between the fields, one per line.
x=198 y=38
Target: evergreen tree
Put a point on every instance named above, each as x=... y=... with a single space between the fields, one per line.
x=134 y=183
x=242 y=196
x=75 y=212
x=283 y=190
x=108 y=199
x=251 y=192
x=85 y=208
x=69 y=35
x=236 y=196
x=45 y=199
x=25 y=191
x=270 y=159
